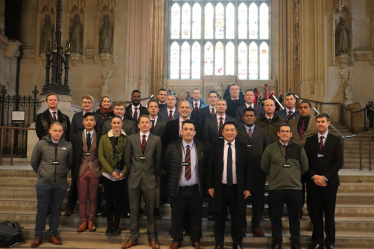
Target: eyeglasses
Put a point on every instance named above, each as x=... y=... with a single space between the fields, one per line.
x=284 y=131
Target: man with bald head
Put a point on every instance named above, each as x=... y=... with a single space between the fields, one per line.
x=269 y=120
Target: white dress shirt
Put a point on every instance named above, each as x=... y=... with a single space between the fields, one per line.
x=250 y=106
x=224 y=173
x=133 y=110
x=51 y=111
x=288 y=110
x=324 y=137
x=210 y=109
x=146 y=136
x=194 y=103
x=182 y=180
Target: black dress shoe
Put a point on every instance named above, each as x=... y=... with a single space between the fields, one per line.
x=237 y=247
x=318 y=246
x=219 y=247
x=276 y=246
x=109 y=230
x=295 y=247
x=157 y=213
x=330 y=247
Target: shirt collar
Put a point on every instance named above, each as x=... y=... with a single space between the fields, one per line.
x=135 y=106
x=155 y=119
x=224 y=116
x=232 y=143
x=196 y=101
x=324 y=135
x=283 y=143
x=51 y=111
x=235 y=98
x=173 y=110
x=190 y=144
x=146 y=134
x=56 y=142
x=210 y=107
x=292 y=110
x=250 y=105
x=252 y=127
x=91 y=132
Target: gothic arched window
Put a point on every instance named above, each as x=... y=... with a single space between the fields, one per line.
x=219 y=37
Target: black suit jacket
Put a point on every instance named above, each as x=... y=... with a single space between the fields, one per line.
x=255 y=147
x=77 y=122
x=172 y=132
x=232 y=105
x=283 y=114
x=239 y=111
x=204 y=114
x=160 y=127
x=129 y=115
x=332 y=159
x=215 y=170
x=46 y=115
x=211 y=135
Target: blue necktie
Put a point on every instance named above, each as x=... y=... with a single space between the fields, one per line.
x=229 y=166
x=88 y=141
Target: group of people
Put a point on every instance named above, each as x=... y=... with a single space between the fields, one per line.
x=222 y=151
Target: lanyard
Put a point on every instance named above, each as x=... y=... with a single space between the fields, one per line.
x=284 y=154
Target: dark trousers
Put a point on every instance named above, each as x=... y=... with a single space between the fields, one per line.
x=258 y=200
x=49 y=196
x=323 y=202
x=188 y=200
x=292 y=198
x=304 y=179
x=229 y=199
x=73 y=195
x=125 y=198
x=113 y=197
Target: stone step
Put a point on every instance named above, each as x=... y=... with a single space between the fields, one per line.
x=346 y=239
x=348 y=165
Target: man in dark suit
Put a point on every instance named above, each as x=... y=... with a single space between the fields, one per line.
x=196 y=104
x=234 y=100
x=185 y=161
x=43 y=120
x=229 y=184
x=135 y=109
x=170 y=112
x=256 y=140
x=128 y=126
x=249 y=98
x=161 y=97
x=325 y=156
x=214 y=124
x=290 y=112
x=143 y=158
x=77 y=124
x=211 y=109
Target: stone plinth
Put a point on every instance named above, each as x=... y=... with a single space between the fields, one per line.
x=356 y=120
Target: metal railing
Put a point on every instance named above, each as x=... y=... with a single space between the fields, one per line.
x=12 y=141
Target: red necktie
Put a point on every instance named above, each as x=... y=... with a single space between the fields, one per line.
x=170 y=115
x=54 y=116
x=302 y=129
x=144 y=143
x=285 y=147
x=187 y=172
x=321 y=144
x=250 y=132
x=56 y=144
x=135 y=113
x=269 y=120
x=196 y=108
x=153 y=125
x=220 y=126
x=289 y=116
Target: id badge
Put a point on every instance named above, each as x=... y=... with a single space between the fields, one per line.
x=55 y=162
x=249 y=145
x=142 y=158
x=185 y=164
x=320 y=156
x=221 y=137
x=286 y=165
x=87 y=153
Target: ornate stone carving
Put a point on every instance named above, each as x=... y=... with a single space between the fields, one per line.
x=106 y=74
x=13 y=49
x=77 y=5
x=340 y=4
x=47 y=5
x=341 y=38
x=47 y=34
x=106 y=36
x=361 y=55
x=105 y=57
x=346 y=75
x=75 y=56
x=343 y=60
x=76 y=35
x=107 y=5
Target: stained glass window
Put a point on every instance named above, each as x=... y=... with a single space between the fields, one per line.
x=219 y=37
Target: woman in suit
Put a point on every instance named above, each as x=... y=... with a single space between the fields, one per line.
x=111 y=156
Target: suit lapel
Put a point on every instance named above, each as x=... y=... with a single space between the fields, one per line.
x=311 y=124
x=327 y=141
x=149 y=143
x=243 y=132
x=215 y=123
x=256 y=134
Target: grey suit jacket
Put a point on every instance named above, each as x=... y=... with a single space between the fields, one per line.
x=211 y=135
x=164 y=114
x=239 y=112
x=160 y=127
x=283 y=114
x=310 y=130
x=128 y=127
x=149 y=169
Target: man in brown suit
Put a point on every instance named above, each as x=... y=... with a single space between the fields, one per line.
x=87 y=169
x=301 y=129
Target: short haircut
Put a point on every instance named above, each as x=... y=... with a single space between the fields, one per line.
x=229 y=123
x=119 y=103
x=284 y=124
x=289 y=94
x=56 y=123
x=249 y=109
x=88 y=114
x=102 y=99
x=184 y=101
x=323 y=115
x=265 y=84
x=117 y=116
x=196 y=88
x=89 y=97
x=162 y=90
x=233 y=84
x=175 y=97
x=249 y=90
x=188 y=121
x=222 y=100
x=271 y=100
x=306 y=102
x=212 y=92
x=50 y=94
x=155 y=101
x=145 y=116
x=135 y=91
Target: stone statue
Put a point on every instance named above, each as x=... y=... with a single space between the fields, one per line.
x=76 y=35
x=106 y=36
x=341 y=38
x=47 y=34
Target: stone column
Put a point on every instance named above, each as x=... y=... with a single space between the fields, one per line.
x=2 y=17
